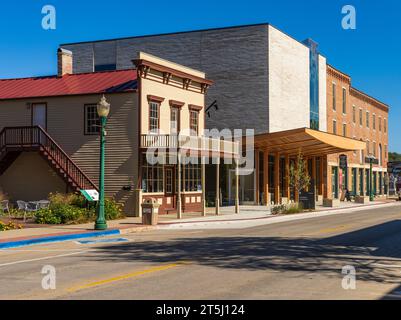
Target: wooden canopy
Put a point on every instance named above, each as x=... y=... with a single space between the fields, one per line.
x=310 y=142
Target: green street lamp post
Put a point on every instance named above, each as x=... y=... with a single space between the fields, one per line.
x=371 y=158
x=103 y=110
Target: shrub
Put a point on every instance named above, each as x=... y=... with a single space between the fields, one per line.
x=47 y=216
x=112 y=209
x=286 y=208
x=293 y=208
x=73 y=209
x=67 y=199
x=9 y=226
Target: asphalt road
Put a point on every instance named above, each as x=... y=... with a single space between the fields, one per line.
x=300 y=259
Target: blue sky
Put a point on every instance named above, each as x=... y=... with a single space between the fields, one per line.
x=371 y=54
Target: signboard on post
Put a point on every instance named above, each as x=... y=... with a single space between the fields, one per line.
x=90 y=195
x=308 y=200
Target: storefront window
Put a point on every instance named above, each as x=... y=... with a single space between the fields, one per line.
x=152 y=177
x=193 y=179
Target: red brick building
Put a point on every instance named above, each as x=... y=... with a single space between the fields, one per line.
x=356 y=115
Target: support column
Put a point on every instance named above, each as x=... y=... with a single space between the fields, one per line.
x=218 y=187
x=179 y=204
x=296 y=195
x=314 y=176
x=266 y=199
x=287 y=177
x=277 y=178
x=236 y=187
x=203 y=159
x=257 y=196
x=321 y=187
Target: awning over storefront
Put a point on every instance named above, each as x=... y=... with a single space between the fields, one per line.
x=310 y=142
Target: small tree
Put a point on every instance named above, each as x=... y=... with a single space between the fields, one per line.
x=299 y=176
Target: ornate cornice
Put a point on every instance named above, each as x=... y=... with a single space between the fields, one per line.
x=363 y=96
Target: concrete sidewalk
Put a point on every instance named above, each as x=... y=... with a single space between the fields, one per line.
x=252 y=214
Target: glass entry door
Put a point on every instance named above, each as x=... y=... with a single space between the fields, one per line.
x=39 y=115
x=169 y=181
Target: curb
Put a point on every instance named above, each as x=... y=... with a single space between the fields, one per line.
x=50 y=239
x=72 y=236
x=279 y=218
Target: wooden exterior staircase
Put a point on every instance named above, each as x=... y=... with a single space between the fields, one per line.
x=15 y=140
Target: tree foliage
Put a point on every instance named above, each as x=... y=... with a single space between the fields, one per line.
x=394 y=156
x=299 y=175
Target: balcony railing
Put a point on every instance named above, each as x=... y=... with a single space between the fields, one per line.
x=199 y=143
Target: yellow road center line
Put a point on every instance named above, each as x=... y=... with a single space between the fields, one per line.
x=334 y=229
x=126 y=276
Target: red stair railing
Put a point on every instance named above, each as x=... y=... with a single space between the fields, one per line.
x=25 y=138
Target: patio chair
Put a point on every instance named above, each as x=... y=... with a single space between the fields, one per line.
x=31 y=206
x=22 y=206
x=43 y=204
x=4 y=207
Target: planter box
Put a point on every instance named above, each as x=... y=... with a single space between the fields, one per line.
x=331 y=203
x=362 y=199
x=319 y=201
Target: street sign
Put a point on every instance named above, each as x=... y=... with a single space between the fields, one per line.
x=90 y=195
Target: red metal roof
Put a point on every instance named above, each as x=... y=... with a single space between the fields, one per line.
x=74 y=84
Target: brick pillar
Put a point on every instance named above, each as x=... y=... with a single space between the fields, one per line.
x=64 y=62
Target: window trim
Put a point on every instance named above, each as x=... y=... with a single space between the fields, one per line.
x=380 y=123
x=374 y=121
x=344 y=102
x=198 y=109
x=86 y=133
x=178 y=108
x=334 y=126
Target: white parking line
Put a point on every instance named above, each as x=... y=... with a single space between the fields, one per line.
x=43 y=258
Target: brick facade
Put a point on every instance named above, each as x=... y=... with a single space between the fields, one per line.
x=364 y=118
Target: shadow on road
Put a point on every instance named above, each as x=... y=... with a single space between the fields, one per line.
x=369 y=250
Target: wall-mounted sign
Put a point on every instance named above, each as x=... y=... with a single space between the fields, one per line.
x=90 y=195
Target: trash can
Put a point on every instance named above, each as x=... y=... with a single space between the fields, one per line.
x=150 y=212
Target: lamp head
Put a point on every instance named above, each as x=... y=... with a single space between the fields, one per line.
x=103 y=107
